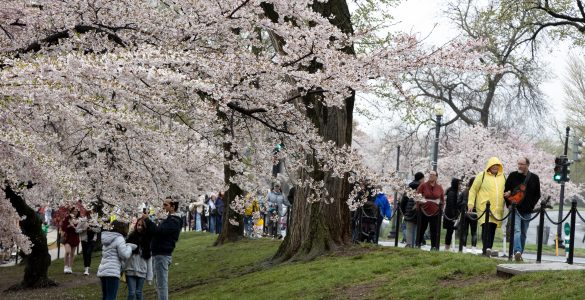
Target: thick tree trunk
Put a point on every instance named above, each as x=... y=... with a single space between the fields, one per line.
x=39 y=260
x=229 y=232
x=317 y=228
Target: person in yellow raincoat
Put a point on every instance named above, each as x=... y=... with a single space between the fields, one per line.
x=488 y=186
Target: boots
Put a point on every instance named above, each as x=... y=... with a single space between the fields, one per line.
x=86 y=272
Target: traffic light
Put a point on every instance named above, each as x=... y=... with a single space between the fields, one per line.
x=577 y=144
x=558 y=169
x=566 y=170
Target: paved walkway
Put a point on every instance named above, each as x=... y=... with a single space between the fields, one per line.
x=528 y=257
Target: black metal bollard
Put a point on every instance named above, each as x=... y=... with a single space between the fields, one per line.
x=397 y=216
x=438 y=234
x=512 y=226
x=572 y=236
x=462 y=226
x=484 y=233
x=417 y=242
x=540 y=235
x=58 y=243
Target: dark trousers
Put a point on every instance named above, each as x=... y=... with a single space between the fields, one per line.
x=218 y=223
x=449 y=236
x=488 y=231
x=433 y=223
x=379 y=222
x=87 y=249
x=110 y=287
x=468 y=225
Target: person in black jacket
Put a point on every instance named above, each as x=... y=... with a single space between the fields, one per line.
x=526 y=206
x=164 y=237
x=409 y=211
x=451 y=211
x=467 y=224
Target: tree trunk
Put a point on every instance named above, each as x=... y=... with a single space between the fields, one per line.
x=39 y=260
x=229 y=232
x=319 y=227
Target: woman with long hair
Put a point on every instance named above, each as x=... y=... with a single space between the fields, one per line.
x=70 y=238
x=139 y=265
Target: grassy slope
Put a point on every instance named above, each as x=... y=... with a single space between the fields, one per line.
x=241 y=271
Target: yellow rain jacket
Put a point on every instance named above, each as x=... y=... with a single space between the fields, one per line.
x=488 y=188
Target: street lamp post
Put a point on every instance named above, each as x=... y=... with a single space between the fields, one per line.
x=439 y=110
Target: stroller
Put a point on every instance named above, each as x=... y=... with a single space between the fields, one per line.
x=363 y=223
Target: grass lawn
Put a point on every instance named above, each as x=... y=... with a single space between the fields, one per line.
x=242 y=271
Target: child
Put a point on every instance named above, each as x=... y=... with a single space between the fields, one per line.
x=115 y=252
x=139 y=265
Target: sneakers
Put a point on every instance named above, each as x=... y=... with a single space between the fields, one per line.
x=67 y=270
x=518 y=256
x=86 y=272
x=488 y=252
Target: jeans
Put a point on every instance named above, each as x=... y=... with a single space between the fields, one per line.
x=109 y=287
x=249 y=225
x=520 y=229
x=161 y=265
x=135 y=285
x=211 y=224
x=218 y=224
x=87 y=249
x=197 y=221
x=410 y=233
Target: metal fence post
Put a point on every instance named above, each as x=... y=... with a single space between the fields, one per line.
x=540 y=234
x=462 y=226
x=58 y=242
x=512 y=227
x=397 y=216
x=572 y=236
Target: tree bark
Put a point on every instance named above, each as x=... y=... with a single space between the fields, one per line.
x=319 y=227
x=229 y=232
x=38 y=261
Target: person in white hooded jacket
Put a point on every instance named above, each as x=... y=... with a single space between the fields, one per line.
x=115 y=252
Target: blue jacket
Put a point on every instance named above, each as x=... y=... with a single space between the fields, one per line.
x=219 y=206
x=383 y=205
x=165 y=235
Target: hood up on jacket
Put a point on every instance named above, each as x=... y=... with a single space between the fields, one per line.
x=495 y=161
x=108 y=237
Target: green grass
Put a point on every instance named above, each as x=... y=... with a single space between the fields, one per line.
x=243 y=271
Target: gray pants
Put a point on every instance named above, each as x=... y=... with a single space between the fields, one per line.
x=410 y=233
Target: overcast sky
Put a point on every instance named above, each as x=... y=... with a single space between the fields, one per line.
x=424 y=18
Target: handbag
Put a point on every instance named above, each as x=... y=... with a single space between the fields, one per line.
x=518 y=193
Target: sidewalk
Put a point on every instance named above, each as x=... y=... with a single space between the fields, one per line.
x=528 y=257
x=52 y=244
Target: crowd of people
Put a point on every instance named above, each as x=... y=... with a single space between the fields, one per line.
x=134 y=252
x=265 y=215
x=464 y=207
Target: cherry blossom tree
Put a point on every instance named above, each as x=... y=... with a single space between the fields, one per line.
x=125 y=102
x=467 y=153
